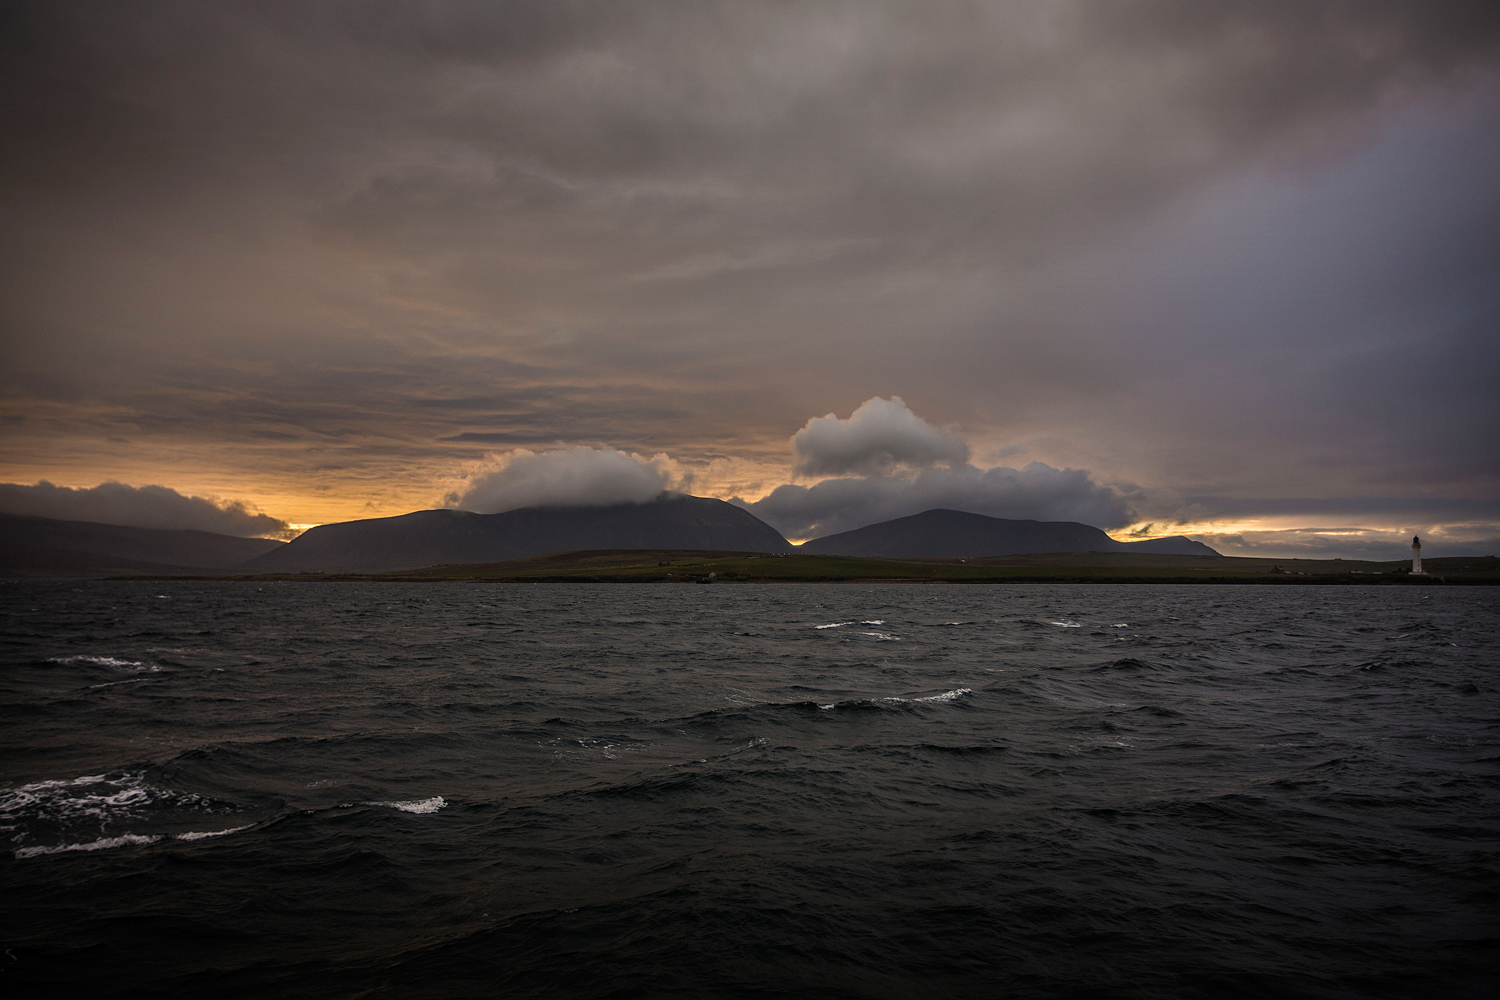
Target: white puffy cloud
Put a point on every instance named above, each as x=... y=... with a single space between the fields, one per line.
x=138 y=507
x=882 y=434
x=1035 y=492
x=568 y=477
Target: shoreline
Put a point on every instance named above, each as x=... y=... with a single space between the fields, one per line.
x=701 y=567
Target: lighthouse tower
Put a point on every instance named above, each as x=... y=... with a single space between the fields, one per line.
x=1416 y=554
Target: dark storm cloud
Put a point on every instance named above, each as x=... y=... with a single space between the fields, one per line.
x=137 y=506
x=843 y=98
x=378 y=236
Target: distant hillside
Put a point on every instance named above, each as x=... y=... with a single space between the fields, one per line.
x=41 y=546
x=442 y=537
x=936 y=534
x=1176 y=545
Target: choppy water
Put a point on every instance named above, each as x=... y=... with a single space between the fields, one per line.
x=338 y=790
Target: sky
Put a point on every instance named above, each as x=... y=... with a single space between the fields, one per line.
x=1228 y=270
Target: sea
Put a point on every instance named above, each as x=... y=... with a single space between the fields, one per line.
x=243 y=789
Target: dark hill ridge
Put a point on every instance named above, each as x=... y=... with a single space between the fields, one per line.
x=43 y=546
x=453 y=537
x=936 y=534
x=1173 y=545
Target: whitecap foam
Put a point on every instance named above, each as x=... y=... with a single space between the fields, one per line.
x=102 y=844
x=1065 y=624
x=833 y=625
x=419 y=806
x=604 y=747
x=953 y=695
x=92 y=796
x=114 y=662
x=874 y=621
x=93 y=812
x=209 y=834
x=881 y=636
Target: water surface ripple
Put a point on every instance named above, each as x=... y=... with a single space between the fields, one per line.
x=454 y=790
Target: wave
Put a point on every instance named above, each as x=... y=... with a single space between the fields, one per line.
x=1126 y=663
x=99 y=811
x=102 y=844
x=210 y=834
x=91 y=796
x=113 y=662
x=953 y=695
x=126 y=840
x=421 y=807
x=878 y=636
x=789 y=712
x=963 y=750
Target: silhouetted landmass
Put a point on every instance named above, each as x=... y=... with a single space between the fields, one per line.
x=935 y=534
x=687 y=566
x=1173 y=545
x=42 y=546
x=436 y=537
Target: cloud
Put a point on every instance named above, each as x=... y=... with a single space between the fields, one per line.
x=1387 y=510
x=569 y=477
x=880 y=435
x=1356 y=543
x=1036 y=492
x=735 y=213
x=904 y=465
x=139 y=507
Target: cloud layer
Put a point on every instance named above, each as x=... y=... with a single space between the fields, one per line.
x=331 y=251
x=139 y=507
x=570 y=477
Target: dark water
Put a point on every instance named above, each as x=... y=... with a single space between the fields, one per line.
x=340 y=790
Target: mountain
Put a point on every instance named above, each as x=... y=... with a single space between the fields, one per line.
x=1175 y=545
x=42 y=546
x=439 y=537
x=956 y=533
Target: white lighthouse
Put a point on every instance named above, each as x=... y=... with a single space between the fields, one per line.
x=1416 y=554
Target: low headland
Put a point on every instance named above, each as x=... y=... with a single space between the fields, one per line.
x=705 y=566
